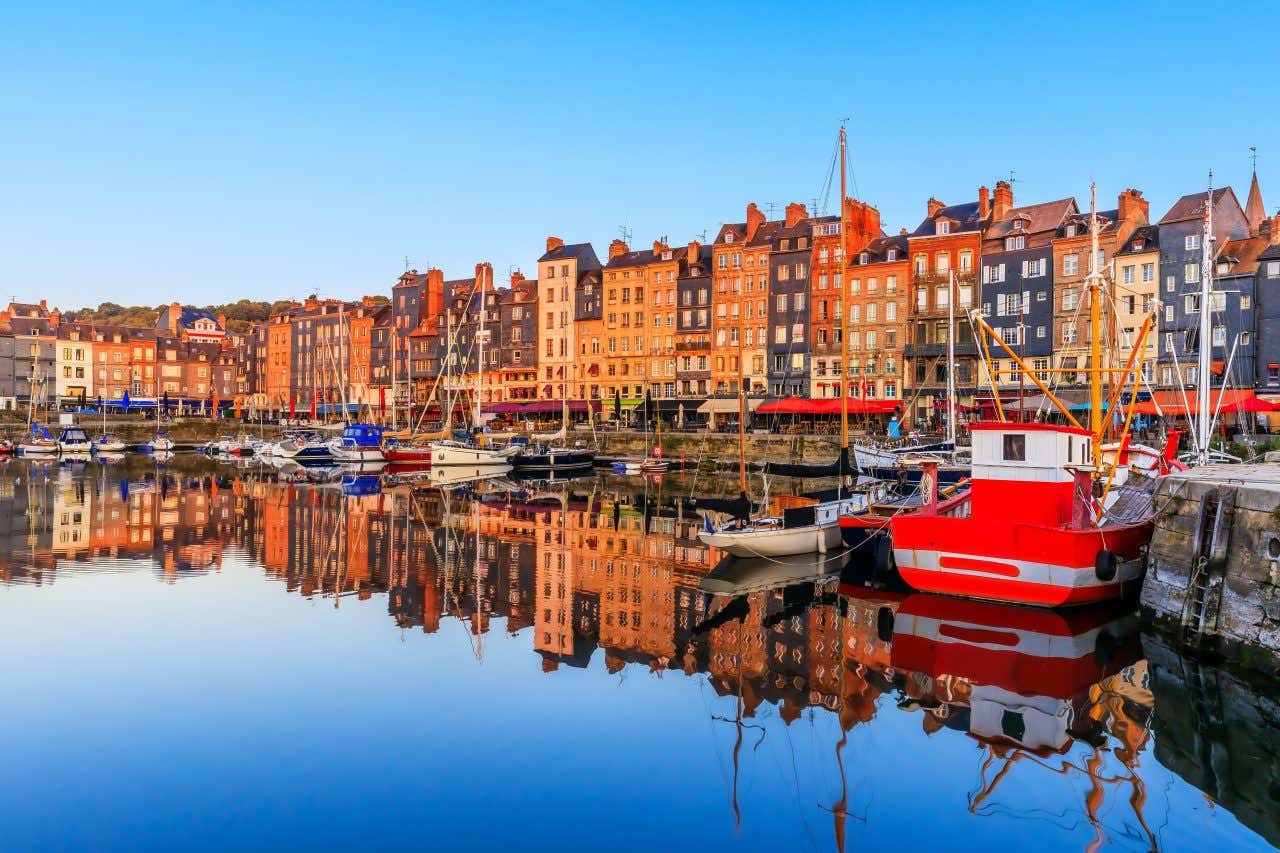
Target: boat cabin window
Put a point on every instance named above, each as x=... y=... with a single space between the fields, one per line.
x=1015 y=448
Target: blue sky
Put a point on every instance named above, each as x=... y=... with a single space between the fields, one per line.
x=207 y=152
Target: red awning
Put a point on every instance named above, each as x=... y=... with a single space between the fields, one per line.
x=1174 y=404
x=827 y=406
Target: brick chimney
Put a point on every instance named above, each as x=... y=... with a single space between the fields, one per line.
x=366 y=301
x=1003 y=201
x=44 y=306
x=1275 y=229
x=484 y=277
x=659 y=247
x=754 y=220
x=902 y=232
x=55 y=318
x=695 y=252
x=795 y=213
x=554 y=243
x=617 y=249
x=1133 y=207
x=864 y=225
x=433 y=294
x=222 y=322
x=175 y=312
x=933 y=207
x=517 y=278
x=984 y=203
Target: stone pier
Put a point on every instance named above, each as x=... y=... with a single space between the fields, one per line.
x=1213 y=570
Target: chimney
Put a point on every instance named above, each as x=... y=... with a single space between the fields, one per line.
x=984 y=203
x=433 y=294
x=864 y=225
x=222 y=322
x=1133 y=207
x=55 y=318
x=517 y=278
x=1275 y=229
x=175 y=312
x=312 y=303
x=795 y=213
x=366 y=301
x=902 y=232
x=617 y=249
x=1003 y=202
x=695 y=252
x=44 y=306
x=484 y=277
x=754 y=220
x=554 y=243
x=933 y=207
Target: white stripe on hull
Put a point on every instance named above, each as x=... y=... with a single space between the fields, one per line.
x=1029 y=571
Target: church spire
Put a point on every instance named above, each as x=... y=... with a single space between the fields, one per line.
x=1254 y=210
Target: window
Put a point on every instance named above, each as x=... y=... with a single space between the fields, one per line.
x=1219 y=336
x=1015 y=448
x=1191 y=303
x=942 y=263
x=1191 y=273
x=1070 y=300
x=1273 y=269
x=892 y=255
x=966 y=261
x=1071 y=264
x=1148 y=272
x=1192 y=242
x=1069 y=333
x=944 y=227
x=922 y=264
x=1246 y=302
x=1012 y=244
x=1128 y=274
x=1170 y=283
x=890 y=312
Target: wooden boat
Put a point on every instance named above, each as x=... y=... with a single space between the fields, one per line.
x=805 y=526
x=873 y=525
x=405 y=453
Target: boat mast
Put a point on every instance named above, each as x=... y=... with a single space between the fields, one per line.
x=951 y=359
x=480 y=352
x=1204 y=377
x=842 y=254
x=742 y=413
x=1096 y=422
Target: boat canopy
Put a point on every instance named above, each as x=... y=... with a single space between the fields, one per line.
x=364 y=435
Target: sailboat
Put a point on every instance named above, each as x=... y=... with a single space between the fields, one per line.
x=807 y=525
x=1030 y=530
x=108 y=442
x=359 y=442
x=38 y=441
x=548 y=453
x=477 y=450
x=73 y=439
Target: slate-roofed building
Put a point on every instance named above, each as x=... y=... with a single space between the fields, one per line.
x=1017 y=285
x=517 y=338
x=693 y=327
x=1137 y=296
x=1268 y=313
x=788 y=305
x=1181 y=265
x=192 y=324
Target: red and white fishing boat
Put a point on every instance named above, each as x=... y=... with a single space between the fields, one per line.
x=1054 y=515
x=1029 y=530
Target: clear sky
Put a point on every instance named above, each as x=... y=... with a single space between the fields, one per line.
x=208 y=152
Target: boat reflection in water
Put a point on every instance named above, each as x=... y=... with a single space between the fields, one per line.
x=800 y=703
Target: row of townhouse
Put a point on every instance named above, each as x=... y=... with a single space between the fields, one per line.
x=760 y=309
x=50 y=361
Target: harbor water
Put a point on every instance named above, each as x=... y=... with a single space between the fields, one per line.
x=199 y=657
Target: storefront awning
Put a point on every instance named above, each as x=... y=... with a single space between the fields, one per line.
x=727 y=405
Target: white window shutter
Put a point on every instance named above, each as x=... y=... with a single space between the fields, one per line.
x=1025 y=268
x=1026 y=302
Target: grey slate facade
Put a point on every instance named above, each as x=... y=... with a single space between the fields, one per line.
x=1180 y=262
x=788 y=306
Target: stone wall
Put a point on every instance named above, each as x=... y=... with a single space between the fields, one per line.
x=1245 y=623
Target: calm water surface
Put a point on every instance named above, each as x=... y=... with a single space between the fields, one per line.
x=200 y=661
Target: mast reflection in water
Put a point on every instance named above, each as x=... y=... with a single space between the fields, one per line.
x=530 y=668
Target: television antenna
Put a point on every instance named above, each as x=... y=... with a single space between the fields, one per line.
x=626 y=234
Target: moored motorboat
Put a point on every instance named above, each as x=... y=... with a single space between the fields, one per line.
x=445 y=454
x=552 y=459
x=73 y=439
x=805 y=526
x=358 y=443
x=408 y=453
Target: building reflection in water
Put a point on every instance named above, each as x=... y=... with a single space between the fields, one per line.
x=582 y=568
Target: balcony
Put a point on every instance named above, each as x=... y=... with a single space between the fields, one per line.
x=969 y=349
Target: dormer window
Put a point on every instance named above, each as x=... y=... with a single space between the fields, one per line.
x=1137 y=245
x=1070 y=231
x=666 y=256
x=785 y=244
x=944 y=227
x=1014 y=243
x=863 y=258
x=893 y=255
x=728 y=238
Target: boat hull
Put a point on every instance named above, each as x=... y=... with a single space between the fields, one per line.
x=357 y=454
x=815 y=538
x=446 y=456
x=554 y=460
x=1015 y=562
x=417 y=455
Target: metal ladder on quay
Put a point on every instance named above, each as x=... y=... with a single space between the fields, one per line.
x=1203 y=601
